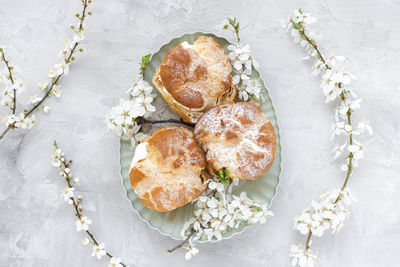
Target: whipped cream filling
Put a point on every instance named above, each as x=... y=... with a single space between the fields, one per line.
x=176 y=102
x=186 y=45
x=140 y=153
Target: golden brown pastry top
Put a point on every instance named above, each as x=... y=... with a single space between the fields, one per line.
x=172 y=172
x=196 y=78
x=237 y=137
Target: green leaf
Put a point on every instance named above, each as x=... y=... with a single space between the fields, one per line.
x=223 y=176
x=145 y=62
x=300 y=11
x=297 y=25
x=225 y=182
x=226 y=173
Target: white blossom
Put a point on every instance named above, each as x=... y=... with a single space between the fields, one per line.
x=302 y=257
x=249 y=89
x=57 y=90
x=51 y=73
x=68 y=193
x=301 y=16
x=339 y=149
x=364 y=126
x=46 y=109
x=303 y=222
x=43 y=84
x=357 y=149
x=190 y=252
x=98 y=250
x=18 y=121
x=83 y=224
x=115 y=262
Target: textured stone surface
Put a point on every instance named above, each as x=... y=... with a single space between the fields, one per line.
x=37 y=227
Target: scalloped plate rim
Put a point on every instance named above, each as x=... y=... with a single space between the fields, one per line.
x=148 y=222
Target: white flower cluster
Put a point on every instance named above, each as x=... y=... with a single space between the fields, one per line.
x=330 y=212
x=11 y=86
x=122 y=118
x=190 y=251
x=9 y=82
x=83 y=222
x=302 y=256
x=248 y=87
x=332 y=209
x=21 y=121
x=217 y=210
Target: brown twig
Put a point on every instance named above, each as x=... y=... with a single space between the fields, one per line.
x=180 y=121
x=314 y=45
x=5 y=132
x=182 y=243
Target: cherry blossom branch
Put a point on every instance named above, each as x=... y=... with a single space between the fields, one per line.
x=15 y=122
x=3 y=58
x=83 y=222
x=342 y=98
x=332 y=210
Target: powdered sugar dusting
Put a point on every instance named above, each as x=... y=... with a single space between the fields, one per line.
x=231 y=134
x=170 y=169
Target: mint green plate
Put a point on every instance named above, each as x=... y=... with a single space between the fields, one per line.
x=171 y=223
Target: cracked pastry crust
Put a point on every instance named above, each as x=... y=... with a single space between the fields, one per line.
x=194 y=79
x=237 y=137
x=172 y=172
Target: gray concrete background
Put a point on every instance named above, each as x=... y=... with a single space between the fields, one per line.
x=37 y=226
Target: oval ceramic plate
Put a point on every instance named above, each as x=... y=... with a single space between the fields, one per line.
x=171 y=223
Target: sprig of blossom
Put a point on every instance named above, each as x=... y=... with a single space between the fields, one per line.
x=123 y=118
x=83 y=222
x=333 y=208
x=249 y=88
x=217 y=210
x=13 y=85
x=329 y=213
